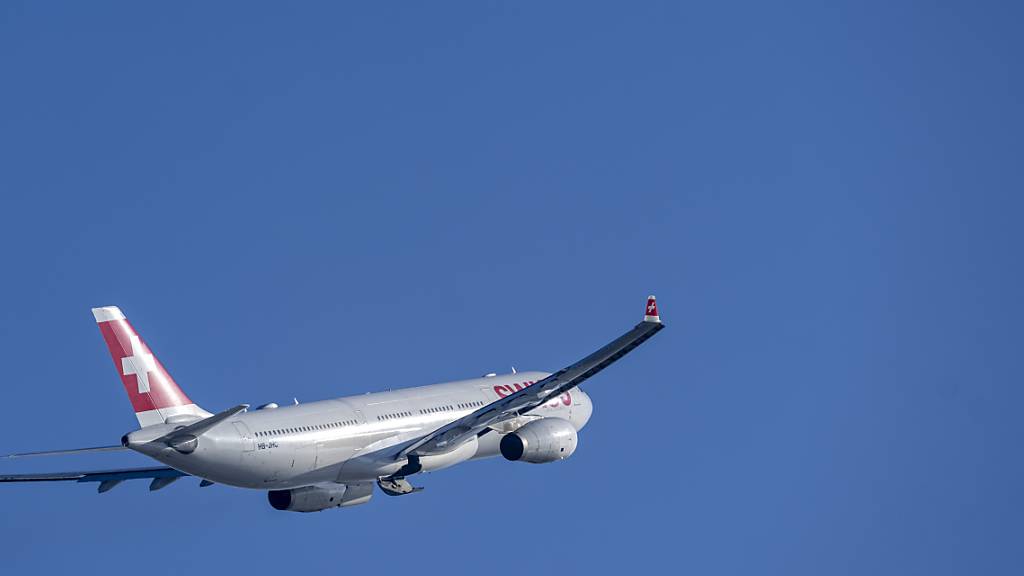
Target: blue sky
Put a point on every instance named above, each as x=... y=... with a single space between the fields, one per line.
x=325 y=199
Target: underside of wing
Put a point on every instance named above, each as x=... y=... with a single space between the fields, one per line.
x=450 y=436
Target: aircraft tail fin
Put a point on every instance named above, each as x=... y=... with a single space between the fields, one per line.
x=154 y=395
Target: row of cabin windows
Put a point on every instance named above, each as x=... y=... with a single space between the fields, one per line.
x=312 y=428
x=382 y=417
x=434 y=410
x=449 y=407
x=393 y=416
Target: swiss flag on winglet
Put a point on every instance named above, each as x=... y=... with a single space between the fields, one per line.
x=651 y=313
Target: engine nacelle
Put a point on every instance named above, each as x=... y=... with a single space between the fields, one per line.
x=317 y=498
x=540 y=441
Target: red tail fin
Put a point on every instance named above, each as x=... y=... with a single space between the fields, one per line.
x=154 y=395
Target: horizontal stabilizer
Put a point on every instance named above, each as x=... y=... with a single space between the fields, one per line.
x=198 y=428
x=107 y=478
x=67 y=452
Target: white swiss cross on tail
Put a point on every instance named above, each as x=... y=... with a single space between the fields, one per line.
x=651 y=314
x=139 y=363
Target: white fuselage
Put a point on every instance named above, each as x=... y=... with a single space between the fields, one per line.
x=338 y=440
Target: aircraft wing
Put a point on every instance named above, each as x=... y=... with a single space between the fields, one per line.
x=451 y=435
x=161 y=476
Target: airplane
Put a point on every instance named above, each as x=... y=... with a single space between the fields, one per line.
x=328 y=454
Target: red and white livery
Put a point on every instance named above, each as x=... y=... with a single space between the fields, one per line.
x=327 y=454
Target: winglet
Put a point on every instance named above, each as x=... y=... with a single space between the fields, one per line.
x=651 y=314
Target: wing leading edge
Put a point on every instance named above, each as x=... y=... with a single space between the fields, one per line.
x=453 y=434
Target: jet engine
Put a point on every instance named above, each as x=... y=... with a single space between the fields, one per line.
x=317 y=498
x=540 y=441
